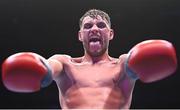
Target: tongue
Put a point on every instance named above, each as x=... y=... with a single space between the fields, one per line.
x=95 y=45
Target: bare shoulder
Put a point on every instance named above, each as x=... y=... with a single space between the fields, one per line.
x=123 y=57
x=56 y=63
x=120 y=60
x=77 y=59
x=60 y=57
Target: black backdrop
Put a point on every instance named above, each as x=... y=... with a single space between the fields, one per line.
x=48 y=27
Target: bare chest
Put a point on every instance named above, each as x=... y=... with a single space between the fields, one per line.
x=94 y=75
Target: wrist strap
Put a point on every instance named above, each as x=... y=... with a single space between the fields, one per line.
x=129 y=72
x=47 y=80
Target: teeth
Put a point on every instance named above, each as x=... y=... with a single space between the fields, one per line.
x=95 y=43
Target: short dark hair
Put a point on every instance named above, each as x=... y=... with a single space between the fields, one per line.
x=93 y=14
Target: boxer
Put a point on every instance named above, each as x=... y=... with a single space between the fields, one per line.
x=94 y=80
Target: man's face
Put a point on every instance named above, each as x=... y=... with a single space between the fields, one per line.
x=95 y=34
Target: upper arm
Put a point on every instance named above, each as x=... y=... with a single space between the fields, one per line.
x=126 y=82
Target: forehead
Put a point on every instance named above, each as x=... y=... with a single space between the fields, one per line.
x=98 y=18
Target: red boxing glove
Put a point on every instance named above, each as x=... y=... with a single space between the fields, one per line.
x=25 y=72
x=151 y=60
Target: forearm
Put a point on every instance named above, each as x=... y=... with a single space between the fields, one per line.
x=56 y=67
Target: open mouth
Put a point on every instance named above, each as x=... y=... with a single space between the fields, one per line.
x=95 y=39
x=95 y=43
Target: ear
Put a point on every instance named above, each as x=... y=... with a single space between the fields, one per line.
x=79 y=36
x=111 y=34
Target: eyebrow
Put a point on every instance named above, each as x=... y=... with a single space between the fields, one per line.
x=96 y=23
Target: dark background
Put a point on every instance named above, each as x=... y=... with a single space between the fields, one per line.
x=48 y=27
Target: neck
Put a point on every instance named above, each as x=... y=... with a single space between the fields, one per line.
x=97 y=59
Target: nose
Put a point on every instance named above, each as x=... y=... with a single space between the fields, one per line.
x=94 y=29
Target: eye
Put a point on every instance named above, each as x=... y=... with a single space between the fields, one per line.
x=87 y=25
x=101 y=25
